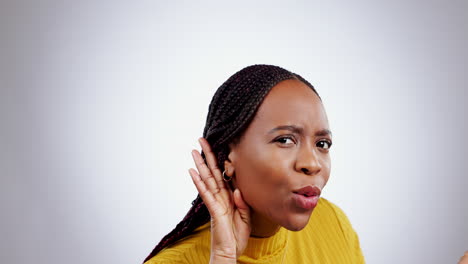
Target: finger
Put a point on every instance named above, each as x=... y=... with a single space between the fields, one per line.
x=242 y=213
x=212 y=161
x=242 y=206
x=239 y=200
x=464 y=258
x=205 y=194
x=213 y=165
x=205 y=173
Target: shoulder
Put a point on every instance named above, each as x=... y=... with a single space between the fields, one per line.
x=333 y=211
x=331 y=222
x=333 y=217
x=194 y=248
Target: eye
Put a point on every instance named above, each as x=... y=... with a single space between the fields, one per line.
x=325 y=144
x=286 y=140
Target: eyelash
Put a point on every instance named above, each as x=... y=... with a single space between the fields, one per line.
x=292 y=138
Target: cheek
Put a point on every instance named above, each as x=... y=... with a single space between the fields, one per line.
x=263 y=177
x=327 y=168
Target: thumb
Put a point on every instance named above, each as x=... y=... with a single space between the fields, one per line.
x=242 y=206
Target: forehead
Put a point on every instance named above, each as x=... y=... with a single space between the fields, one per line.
x=291 y=102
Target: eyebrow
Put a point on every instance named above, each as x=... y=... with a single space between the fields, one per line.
x=300 y=130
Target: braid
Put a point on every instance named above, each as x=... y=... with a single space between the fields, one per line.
x=231 y=110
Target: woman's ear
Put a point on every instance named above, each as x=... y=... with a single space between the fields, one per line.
x=229 y=168
x=229 y=163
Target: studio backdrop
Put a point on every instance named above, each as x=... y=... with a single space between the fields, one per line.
x=101 y=103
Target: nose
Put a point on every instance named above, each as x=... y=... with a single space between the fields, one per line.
x=308 y=161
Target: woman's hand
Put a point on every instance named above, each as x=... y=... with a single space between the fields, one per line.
x=230 y=215
x=464 y=258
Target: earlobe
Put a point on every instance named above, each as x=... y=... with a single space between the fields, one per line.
x=226 y=178
x=229 y=164
x=228 y=168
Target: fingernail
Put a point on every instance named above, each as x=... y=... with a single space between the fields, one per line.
x=200 y=141
x=193 y=153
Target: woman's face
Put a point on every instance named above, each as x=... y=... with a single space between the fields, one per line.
x=285 y=148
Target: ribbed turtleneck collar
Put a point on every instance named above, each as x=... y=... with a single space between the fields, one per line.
x=266 y=250
x=263 y=250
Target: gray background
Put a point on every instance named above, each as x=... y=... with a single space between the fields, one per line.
x=101 y=103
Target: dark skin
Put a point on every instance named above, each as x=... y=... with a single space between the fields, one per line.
x=285 y=147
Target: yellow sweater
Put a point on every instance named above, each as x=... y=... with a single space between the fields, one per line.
x=327 y=238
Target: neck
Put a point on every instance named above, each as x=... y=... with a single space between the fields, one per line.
x=262 y=227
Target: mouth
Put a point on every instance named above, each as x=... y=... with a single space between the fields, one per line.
x=308 y=191
x=307 y=197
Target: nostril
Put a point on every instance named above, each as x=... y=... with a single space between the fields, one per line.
x=306 y=171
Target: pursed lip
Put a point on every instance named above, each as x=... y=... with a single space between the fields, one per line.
x=309 y=190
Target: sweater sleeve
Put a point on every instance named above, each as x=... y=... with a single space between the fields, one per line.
x=166 y=260
x=195 y=248
x=158 y=260
x=349 y=233
x=179 y=255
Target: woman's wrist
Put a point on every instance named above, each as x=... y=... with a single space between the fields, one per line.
x=223 y=259
x=226 y=256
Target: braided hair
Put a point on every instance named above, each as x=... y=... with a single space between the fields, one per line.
x=230 y=112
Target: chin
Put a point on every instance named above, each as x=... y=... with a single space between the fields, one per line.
x=297 y=222
x=295 y=229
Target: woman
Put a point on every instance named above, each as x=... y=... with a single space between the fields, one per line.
x=264 y=163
